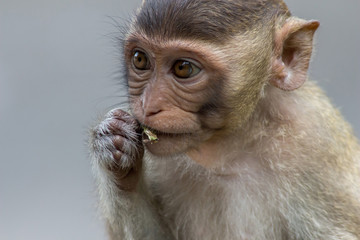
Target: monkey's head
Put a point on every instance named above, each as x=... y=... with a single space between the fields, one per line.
x=196 y=69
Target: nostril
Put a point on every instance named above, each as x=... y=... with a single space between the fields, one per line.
x=152 y=112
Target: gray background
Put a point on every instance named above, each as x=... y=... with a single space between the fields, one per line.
x=56 y=65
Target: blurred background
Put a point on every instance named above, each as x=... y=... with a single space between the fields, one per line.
x=57 y=60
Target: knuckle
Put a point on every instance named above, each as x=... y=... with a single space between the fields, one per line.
x=116 y=112
x=123 y=116
x=117 y=155
x=118 y=142
x=114 y=125
x=119 y=114
x=110 y=127
x=124 y=145
x=127 y=147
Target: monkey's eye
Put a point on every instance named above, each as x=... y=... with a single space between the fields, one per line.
x=185 y=69
x=140 y=60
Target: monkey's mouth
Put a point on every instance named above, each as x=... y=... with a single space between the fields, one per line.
x=151 y=135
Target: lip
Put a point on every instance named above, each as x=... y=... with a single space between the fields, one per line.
x=159 y=132
x=172 y=135
x=160 y=135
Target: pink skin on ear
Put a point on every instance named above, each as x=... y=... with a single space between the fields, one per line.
x=292 y=53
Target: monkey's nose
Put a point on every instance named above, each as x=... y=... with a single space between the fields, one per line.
x=151 y=112
x=152 y=105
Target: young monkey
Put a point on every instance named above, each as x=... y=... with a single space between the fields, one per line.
x=246 y=147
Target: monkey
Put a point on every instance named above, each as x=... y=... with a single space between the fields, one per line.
x=248 y=147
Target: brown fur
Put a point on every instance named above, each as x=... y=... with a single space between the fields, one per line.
x=248 y=148
x=208 y=20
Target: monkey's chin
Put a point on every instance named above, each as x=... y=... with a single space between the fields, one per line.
x=170 y=144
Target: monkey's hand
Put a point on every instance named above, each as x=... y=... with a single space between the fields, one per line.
x=117 y=148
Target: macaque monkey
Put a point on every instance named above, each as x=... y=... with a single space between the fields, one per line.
x=247 y=147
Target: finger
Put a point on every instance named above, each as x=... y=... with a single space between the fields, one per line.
x=119 y=142
x=121 y=115
x=118 y=127
x=117 y=155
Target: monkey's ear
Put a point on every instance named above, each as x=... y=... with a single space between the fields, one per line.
x=292 y=53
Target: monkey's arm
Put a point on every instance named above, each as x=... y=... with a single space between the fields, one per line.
x=117 y=155
x=128 y=214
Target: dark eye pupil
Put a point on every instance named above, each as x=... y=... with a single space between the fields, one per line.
x=183 y=69
x=140 y=60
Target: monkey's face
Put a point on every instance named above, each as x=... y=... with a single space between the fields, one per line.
x=175 y=90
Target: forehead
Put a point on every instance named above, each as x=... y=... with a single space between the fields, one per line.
x=207 y=20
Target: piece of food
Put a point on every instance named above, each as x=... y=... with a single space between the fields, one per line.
x=152 y=138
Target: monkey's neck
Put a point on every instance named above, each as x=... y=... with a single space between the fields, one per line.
x=207 y=154
x=219 y=153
